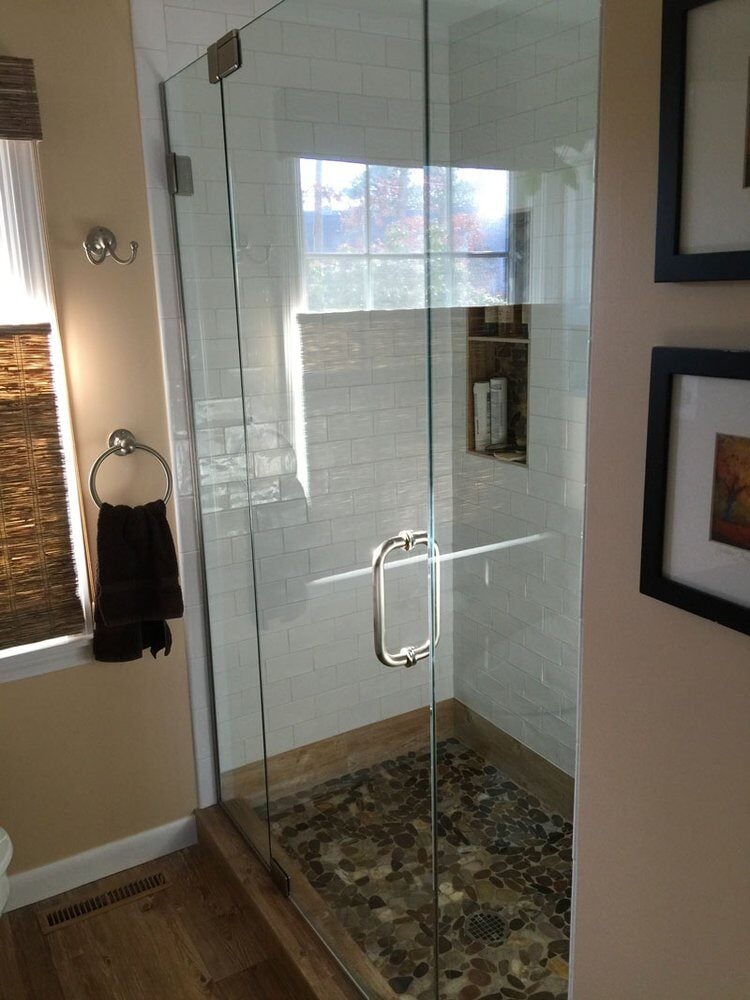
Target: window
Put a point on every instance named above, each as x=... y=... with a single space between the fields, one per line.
x=43 y=584
x=363 y=234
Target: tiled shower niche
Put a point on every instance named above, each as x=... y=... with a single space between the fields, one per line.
x=497 y=345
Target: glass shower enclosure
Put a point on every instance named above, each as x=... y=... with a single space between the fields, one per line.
x=384 y=222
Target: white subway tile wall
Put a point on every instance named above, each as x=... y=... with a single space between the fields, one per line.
x=344 y=82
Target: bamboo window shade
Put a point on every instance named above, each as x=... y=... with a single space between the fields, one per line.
x=39 y=597
x=19 y=104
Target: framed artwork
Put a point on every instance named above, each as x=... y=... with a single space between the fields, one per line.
x=703 y=215
x=696 y=513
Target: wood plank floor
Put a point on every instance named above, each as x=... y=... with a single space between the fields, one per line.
x=192 y=940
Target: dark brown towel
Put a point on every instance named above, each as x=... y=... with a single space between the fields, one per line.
x=137 y=586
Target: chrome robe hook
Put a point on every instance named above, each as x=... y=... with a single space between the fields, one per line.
x=101 y=243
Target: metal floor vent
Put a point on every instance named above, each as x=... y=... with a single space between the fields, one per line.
x=63 y=916
x=487 y=926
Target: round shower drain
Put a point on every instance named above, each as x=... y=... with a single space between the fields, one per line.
x=487 y=926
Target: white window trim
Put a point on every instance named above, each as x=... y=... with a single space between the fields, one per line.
x=58 y=653
x=45 y=657
x=369 y=257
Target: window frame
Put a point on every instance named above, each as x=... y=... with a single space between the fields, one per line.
x=59 y=652
x=19 y=662
x=368 y=257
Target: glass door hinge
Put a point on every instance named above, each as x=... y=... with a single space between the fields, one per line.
x=280 y=878
x=180 y=174
x=224 y=56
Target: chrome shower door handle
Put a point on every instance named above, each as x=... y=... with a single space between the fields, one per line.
x=408 y=655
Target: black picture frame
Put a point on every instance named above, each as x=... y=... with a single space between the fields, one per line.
x=666 y=362
x=671 y=264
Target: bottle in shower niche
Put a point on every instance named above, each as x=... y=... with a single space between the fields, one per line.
x=482 y=429
x=498 y=412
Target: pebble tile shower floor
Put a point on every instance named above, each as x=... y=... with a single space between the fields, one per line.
x=504 y=864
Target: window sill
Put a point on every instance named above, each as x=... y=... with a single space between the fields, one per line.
x=45 y=657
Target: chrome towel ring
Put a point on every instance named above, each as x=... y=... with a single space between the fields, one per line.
x=123 y=442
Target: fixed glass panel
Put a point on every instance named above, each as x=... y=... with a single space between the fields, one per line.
x=325 y=146
x=224 y=489
x=513 y=114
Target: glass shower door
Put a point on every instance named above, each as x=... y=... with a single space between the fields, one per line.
x=512 y=106
x=325 y=136
x=386 y=267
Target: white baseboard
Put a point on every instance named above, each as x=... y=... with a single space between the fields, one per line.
x=69 y=873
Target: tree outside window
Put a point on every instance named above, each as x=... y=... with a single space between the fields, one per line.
x=364 y=236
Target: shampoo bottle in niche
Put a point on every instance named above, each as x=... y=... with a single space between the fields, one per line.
x=498 y=412
x=482 y=431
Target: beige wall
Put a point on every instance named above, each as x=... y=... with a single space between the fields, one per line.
x=94 y=753
x=663 y=888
